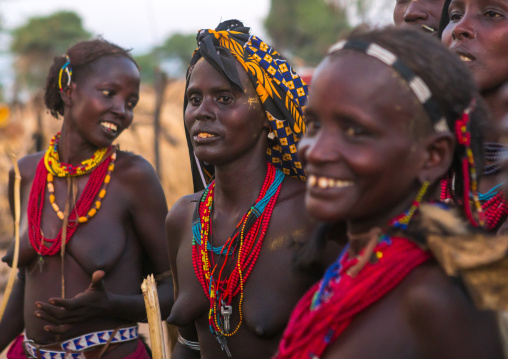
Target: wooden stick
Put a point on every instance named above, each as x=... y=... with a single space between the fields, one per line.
x=17 y=213
x=153 y=313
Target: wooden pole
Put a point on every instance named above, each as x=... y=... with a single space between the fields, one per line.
x=17 y=212
x=161 y=80
x=153 y=313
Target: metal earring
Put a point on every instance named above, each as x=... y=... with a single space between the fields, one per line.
x=271 y=135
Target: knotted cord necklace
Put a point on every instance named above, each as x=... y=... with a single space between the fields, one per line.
x=246 y=241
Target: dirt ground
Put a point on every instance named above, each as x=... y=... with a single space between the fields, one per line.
x=175 y=176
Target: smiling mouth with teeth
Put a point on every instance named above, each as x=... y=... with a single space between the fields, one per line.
x=110 y=126
x=325 y=182
x=204 y=135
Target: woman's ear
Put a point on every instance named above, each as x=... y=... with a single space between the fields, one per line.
x=439 y=149
x=66 y=94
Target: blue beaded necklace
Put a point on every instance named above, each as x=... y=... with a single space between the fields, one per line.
x=257 y=210
x=484 y=197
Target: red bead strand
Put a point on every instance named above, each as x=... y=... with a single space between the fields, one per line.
x=83 y=205
x=219 y=287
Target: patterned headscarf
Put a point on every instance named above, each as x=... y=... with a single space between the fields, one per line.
x=282 y=92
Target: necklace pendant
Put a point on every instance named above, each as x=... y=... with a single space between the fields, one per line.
x=224 y=344
x=225 y=311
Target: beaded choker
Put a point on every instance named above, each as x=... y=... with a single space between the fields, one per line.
x=61 y=169
x=244 y=244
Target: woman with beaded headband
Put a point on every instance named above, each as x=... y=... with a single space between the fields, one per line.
x=89 y=235
x=477 y=31
x=232 y=244
x=387 y=145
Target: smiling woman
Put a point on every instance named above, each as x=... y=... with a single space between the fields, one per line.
x=89 y=233
x=375 y=156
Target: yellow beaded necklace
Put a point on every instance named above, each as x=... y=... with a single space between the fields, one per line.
x=97 y=203
x=60 y=169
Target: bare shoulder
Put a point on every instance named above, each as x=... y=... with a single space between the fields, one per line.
x=181 y=213
x=134 y=167
x=28 y=165
x=291 y=198
x=444 y=320
x=292 y=190
x=179 y=217
x=27 y=168
x=429 y=289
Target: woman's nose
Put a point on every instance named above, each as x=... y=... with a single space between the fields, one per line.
x=464 y=29
x=204 y=111
x=415 y=12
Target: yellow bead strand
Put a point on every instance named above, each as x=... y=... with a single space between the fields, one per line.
x=97 y=205
x=55 y=167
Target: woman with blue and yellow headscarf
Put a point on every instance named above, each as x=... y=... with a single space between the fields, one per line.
x=233 y=242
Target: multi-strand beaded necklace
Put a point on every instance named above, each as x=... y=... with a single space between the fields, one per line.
x=493 y=203
x=351 y=285
x=495 y=209
x=244 y=244
x=100 y=166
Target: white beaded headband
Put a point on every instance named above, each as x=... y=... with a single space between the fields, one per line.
x=415 y=82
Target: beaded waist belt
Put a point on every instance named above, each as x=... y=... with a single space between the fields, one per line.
x=73 y=348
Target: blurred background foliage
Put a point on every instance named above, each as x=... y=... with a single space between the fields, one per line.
x=36 y=43
x=172 y=56
x=305 y=28
x=301 y=30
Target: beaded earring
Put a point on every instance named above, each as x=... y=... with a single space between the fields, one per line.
x=68 y=70
x=402 y=221
x=463 y=136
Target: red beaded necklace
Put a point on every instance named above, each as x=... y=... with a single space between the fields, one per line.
x=495 y=209
x=82 y=208
x=245 y=243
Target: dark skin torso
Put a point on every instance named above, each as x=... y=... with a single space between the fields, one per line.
x=119 y=240
x=235 y=127
x=426 y=317
x=271 y=291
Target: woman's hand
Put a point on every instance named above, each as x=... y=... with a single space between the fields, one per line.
x=65 y=313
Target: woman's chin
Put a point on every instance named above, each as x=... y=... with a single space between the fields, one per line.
x=323 y=211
